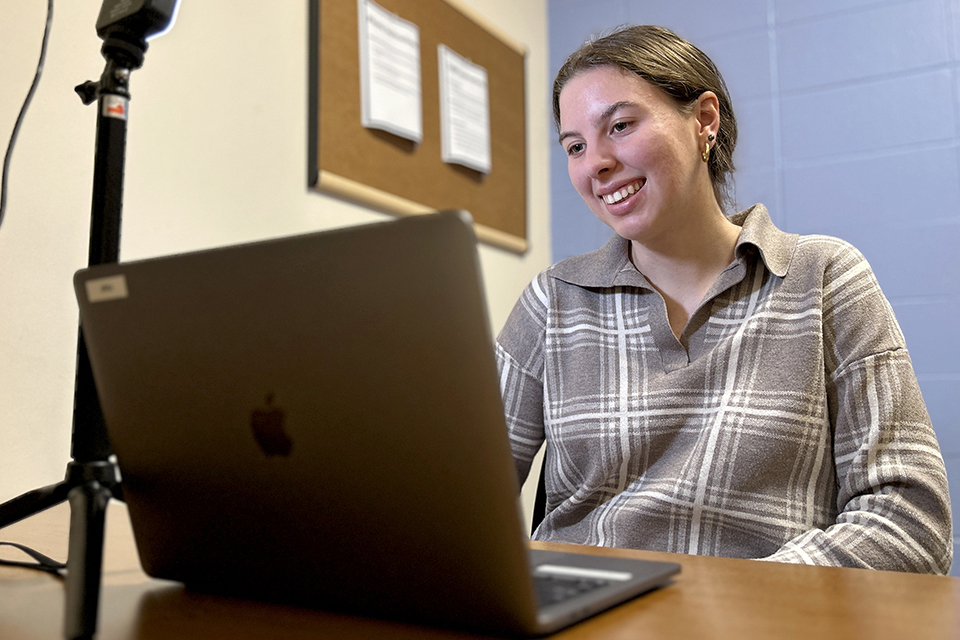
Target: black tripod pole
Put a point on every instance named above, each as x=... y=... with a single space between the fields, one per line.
x=92 y=477
x=97 y=476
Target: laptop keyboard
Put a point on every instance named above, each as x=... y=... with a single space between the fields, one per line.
x=552 y=589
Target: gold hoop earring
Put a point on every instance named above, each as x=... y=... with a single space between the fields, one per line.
x=706 y=153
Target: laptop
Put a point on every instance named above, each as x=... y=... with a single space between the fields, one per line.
x=316 y=420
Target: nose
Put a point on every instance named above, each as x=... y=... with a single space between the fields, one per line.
x=600 y=159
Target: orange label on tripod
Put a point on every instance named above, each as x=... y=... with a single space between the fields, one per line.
x=114 y=106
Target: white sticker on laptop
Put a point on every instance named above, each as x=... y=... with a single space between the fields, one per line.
x=106 y=289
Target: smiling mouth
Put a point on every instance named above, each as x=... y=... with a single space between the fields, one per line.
x=627 y=191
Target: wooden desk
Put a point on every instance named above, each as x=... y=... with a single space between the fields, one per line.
x=711 y=598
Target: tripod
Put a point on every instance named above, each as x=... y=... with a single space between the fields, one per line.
x=92 y=477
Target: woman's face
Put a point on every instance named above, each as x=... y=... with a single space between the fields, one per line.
x=632 y=154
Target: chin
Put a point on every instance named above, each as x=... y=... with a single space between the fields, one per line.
x=629 y=228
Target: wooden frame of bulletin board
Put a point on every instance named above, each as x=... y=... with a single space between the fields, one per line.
x=393 y=174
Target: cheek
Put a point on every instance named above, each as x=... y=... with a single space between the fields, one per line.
x=579 y=180
x=585 y=190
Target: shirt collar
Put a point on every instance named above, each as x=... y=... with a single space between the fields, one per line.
x=610 y=265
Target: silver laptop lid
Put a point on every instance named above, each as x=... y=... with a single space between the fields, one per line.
x=324 y=404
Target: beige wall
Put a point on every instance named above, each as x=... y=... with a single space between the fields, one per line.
x=216 y=154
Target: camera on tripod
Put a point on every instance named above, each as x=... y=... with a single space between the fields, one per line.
x=126 y=25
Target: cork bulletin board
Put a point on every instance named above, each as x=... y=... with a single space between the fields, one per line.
x=396 y=175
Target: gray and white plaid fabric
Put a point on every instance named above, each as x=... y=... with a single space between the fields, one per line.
x=785 y=424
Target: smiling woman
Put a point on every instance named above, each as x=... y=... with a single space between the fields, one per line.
x=637 y=160
x=675 y=67
x=706 y=383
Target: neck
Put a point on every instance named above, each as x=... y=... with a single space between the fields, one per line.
x=685 y=265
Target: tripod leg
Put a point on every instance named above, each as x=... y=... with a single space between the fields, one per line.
x=88 y=509
x=32 y=502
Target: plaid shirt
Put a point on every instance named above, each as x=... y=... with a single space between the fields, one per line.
x=786 y=423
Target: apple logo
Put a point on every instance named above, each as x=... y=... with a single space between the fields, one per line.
x=268 y=429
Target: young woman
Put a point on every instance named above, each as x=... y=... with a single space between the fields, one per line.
x=710 y=384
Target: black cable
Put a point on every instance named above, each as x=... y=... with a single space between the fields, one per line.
x=42 y=562
x=23 y=111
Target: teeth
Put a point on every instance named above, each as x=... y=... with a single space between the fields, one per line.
x=617 y=196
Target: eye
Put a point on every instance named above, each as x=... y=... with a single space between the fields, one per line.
x=621 y=126
x=575 y=148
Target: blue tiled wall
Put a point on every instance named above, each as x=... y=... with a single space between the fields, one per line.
x=849 y=117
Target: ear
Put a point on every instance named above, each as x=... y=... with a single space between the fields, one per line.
x=707 y=112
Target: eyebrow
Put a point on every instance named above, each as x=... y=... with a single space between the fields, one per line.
x=609 y=111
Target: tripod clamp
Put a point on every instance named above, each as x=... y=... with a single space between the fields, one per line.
x=123 y=55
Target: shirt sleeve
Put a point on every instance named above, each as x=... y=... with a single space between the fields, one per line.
x=893 y=500
x=520 y=358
